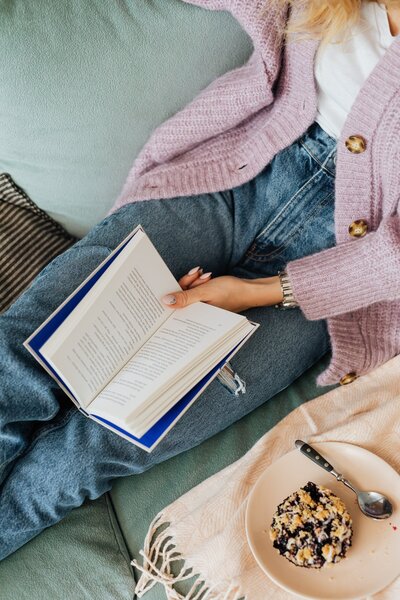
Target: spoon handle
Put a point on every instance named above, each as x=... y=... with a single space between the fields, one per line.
x=319 y=460
x=313 y=455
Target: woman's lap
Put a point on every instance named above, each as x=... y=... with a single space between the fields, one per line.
x=53 y=456
x=27 y=395
x=74 y=458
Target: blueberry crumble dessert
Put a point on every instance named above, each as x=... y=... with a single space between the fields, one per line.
x=312 y=527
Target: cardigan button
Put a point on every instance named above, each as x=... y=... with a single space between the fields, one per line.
x=358 y=228
x=356 y=144
x=349 y=378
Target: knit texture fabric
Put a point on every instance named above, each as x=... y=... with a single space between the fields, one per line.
x=227 y=135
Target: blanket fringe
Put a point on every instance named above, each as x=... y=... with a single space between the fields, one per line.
x=159 y=556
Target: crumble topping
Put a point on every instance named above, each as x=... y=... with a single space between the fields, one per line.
x=311 y=527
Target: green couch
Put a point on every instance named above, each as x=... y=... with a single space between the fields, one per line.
x=84 y=82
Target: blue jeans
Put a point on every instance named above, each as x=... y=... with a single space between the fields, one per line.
x=51 y=457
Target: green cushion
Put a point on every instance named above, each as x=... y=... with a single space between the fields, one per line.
x=84 y=82
x=81 y=558
x=139 y=498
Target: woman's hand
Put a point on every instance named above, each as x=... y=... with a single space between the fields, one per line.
x=232 y=293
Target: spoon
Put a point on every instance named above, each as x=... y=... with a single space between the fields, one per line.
x=372 y=504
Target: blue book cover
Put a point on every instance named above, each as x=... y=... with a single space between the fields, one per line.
x=36 y=342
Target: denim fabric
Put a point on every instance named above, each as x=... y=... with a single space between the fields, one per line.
x=52 y=457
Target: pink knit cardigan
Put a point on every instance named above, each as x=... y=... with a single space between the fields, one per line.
x=226 y=136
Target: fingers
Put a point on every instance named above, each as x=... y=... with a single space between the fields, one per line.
x=193 y=278
x=182 y=299
x=190 y=284
x=190 y=277
x=200 y=280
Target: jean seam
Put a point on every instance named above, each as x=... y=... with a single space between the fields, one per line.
x=261 y=257
x=317 y=160
x=299 y=193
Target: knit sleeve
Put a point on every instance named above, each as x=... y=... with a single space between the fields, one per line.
x=349 y=276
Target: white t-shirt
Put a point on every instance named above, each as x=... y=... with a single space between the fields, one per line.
x=342 y=68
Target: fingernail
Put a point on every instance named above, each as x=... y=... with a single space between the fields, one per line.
x=169 y=299
x=205 y=275
x=194 y=270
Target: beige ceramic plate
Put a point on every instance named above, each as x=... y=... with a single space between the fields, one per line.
x=373 y=560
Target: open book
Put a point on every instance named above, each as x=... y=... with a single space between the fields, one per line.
x=126 y=360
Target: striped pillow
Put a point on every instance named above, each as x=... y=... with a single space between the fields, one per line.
x=29 y=240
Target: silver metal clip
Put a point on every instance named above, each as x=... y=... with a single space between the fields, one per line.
x=231 y=380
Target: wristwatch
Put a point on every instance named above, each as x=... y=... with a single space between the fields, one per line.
x=289 y=300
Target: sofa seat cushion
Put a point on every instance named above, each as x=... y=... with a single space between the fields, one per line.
x=81 y=558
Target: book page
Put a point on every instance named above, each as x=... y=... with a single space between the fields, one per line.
x=120 y=313
x=179 y=343
x=140 y=423
x=182 y=403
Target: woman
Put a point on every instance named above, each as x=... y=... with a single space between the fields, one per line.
x=248 y=173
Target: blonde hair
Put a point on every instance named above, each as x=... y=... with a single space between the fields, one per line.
x=327 y=19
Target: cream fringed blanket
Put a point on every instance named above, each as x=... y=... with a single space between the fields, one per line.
x=206 y=525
